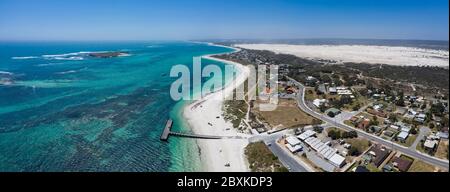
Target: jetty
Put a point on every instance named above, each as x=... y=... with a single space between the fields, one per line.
x=168 y=132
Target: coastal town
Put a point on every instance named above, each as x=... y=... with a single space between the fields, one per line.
x=340 y=121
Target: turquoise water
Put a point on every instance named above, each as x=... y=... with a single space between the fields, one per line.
x=65 y=111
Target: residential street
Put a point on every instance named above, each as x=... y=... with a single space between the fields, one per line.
x=410 y=152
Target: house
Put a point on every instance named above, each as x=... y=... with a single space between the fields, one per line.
x=291 y=90
x=387 y=168
x=378 y=107
x=410 y=114
x=420 y=118
x=402 y=136
x=332 y=90
x=379 y=154
x=321 y=89
x=430 y=145
x=388 y=133
x=364 y=124
x=377 y=113
x=343 y=91
x=333 y=112
x=406 y=129
x=354 y=119
x=437 y=119
x=375 y=129
x=311 y=81
x=402 y=164
x=442 y=135
x=394 y=128
x=347 y=145
x=318 y=102
x=366 y=158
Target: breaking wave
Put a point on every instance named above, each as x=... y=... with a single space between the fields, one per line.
x=23 y=58
x=76 y=56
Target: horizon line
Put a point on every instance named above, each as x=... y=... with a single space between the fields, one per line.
x=214 y=39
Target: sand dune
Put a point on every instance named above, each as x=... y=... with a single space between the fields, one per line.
x=403 y=56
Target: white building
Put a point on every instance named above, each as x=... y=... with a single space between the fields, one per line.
x=402 y=136
x=337 y=160
x=430 y=144
x=306 y=134
x=326 y=151
x=294 y=149
x=293 y=141
x=318 y=102
x=293 y=144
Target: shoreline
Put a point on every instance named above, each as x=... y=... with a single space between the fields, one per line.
x=205 y=117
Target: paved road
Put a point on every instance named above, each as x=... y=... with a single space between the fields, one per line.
x=412 y=153
x=424 y=131
x=284 y=156
x=286 y=159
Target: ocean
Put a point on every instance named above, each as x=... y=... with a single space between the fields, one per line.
x=61 y=110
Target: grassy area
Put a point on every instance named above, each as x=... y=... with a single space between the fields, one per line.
x=349 y=123
x=286 y=115
x=361 y=144
x=261 y=159
x=442 y=150
x=361 y=100
x=310 y=94
x=420 y=148
x=420 y=166
x=235 y=110
x=409 y=141
x=369 y=116
x=372 y=168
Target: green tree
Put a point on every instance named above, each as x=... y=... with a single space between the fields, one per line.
x=356 y=107
x=331 y=114
x=322 y=108
x=432 y=125
x=353 y=151
x=334 y=134
x=374 y=121
x=401 y=99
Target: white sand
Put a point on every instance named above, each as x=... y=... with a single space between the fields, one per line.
x=404 y=56
x=216 y=153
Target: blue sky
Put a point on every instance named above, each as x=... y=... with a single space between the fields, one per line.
x=204 y=19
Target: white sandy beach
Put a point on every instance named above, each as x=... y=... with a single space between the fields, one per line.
x=403 y=56
x=215 y=154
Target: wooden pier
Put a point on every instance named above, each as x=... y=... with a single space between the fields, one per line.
x=167 y=132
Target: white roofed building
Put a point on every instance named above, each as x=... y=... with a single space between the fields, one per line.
x=337 y=160
x=306 y=134
x=293 y=141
